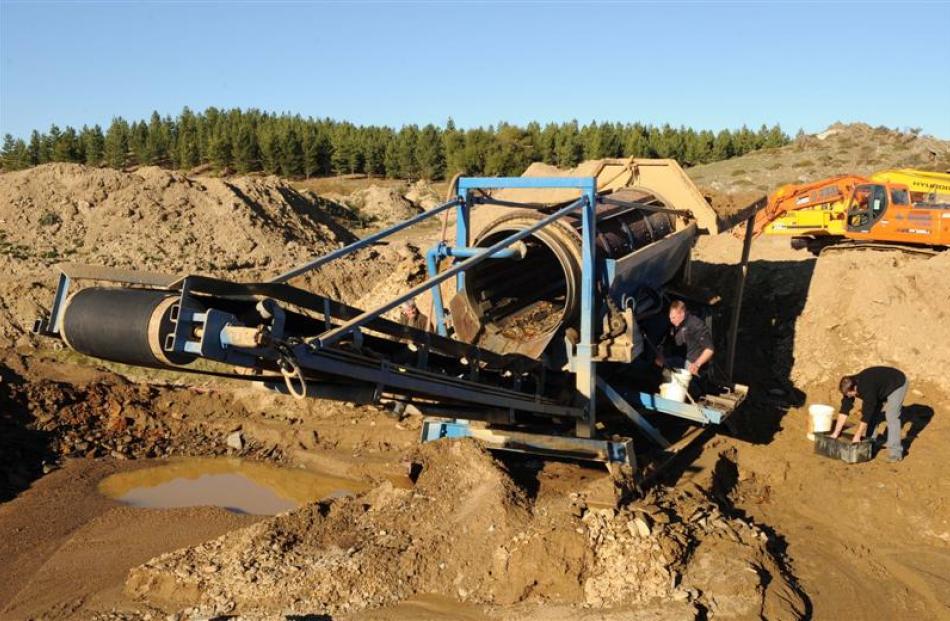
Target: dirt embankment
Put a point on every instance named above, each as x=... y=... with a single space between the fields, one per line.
x=871 y=307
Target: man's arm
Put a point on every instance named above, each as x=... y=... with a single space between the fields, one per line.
x=869 y=407
x=846 y=404
x=702 y=359
x=704 y=340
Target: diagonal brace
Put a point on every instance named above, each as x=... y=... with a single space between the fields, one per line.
x=621 y=404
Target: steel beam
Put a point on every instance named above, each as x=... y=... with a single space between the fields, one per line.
x=621 y=404
x=616 y=451
x=740 y=291
x=332 y=336
x=362 y=243
x=586 y=371
x=431 y=384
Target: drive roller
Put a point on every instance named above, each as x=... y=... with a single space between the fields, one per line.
x=122 y=325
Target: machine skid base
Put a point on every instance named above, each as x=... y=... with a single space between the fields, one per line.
x=610 y=451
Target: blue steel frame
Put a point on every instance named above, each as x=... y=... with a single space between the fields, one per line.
x=441 y=251
x=585 y=370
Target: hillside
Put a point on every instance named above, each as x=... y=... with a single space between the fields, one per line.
x=853 y=148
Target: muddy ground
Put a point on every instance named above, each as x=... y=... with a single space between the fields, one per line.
x=748 y=523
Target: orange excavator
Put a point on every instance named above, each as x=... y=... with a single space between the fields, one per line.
x=855 y=210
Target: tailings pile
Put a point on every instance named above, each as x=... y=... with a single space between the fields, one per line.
x=466 y=530
x=245 y=229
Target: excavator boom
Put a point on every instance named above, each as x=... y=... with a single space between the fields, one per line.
x=803 y=208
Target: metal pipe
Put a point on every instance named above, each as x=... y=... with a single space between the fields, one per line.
x=516 y=253
x=332 y=336
x=366 y=241
x=439 y=251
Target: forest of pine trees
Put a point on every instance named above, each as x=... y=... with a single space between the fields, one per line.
x=290 y=145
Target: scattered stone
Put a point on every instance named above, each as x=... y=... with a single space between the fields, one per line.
x=235 y=440
x=643 y=527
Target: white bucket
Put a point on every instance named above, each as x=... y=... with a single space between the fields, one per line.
x=674 y=391
x=682 y=377
x=821 y=416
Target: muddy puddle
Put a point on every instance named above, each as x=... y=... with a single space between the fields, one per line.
x=233 y=484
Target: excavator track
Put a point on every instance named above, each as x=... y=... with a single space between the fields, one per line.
x=852 y=245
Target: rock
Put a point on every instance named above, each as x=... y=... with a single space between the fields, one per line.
x=235 y=440
x=643 y=527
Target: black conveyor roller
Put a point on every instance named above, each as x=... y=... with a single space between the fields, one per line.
x=122 y=325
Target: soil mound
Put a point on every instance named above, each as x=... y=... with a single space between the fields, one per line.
x=153 y=219
x=160 y=220
x=380 y=206
x=422 y=194
x=868 y=308
x=465 y=530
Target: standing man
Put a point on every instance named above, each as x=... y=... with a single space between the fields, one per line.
x=878 y=388
x=691 y=336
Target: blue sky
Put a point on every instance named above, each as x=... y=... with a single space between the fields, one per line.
x=700 y=64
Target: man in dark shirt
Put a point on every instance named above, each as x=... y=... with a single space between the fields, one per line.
x=691 y=335
x=879 y=388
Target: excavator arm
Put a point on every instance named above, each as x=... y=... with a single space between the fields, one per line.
x=788 y=199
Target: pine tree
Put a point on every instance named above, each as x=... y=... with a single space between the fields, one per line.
x=8 y=153
x=636 y=141
x=344 y=151
x=49 y=143
x=453 y=146
x=722 y=146
x=117 y=143
x=374 y=144
x=94 y=145
x=244 y=147
x=317 y=149
x=513 y=151
x=429 y=154
x=406 y=152
x=138 y=142
x=156 y=142
x=269 y=145
x=548 y=148
x=391 y=159
x=220 y=147
x=66 y=146
x=776 y=137
x=35 y=150
x=189 y=151
x=569 y=150
x=292 y=159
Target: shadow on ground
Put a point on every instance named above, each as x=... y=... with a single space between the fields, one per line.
x=23 y=450
x=775 y=295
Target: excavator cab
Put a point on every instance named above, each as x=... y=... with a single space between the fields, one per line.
x=868 y=204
